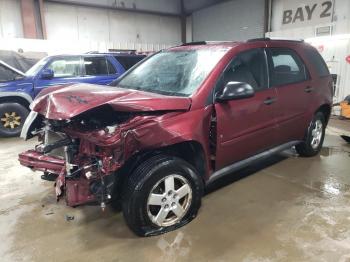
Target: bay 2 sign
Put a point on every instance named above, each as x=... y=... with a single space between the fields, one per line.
x=306 y=12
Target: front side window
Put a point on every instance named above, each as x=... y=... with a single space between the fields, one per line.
x=65 y=67
x=37 y=67
x=286 y=67
x=247 y=67
x=177 y=73
x=95 y=66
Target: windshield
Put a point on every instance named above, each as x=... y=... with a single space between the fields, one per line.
x=37 y=67
x=177 y=73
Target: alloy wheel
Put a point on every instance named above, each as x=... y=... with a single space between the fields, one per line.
x=316 y=134
x=11 y=120
x=169 y=200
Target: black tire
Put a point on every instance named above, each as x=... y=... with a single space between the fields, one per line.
x=17 y=110
x=307 y=148
x=142 y=181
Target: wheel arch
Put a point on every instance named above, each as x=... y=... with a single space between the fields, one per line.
x=190 y=151
x=16 y=99
x=325 y=109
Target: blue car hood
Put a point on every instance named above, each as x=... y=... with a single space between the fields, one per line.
x=17 y=85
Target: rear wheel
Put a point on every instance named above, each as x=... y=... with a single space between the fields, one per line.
x=12 y=117
x=314 y=138
x=162 y=194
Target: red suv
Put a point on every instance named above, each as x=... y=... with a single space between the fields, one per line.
x=176 y=122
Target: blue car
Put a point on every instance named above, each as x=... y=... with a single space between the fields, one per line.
x=17 y=89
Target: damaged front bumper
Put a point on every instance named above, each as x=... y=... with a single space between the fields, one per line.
x=40 y=162
x=76 y=191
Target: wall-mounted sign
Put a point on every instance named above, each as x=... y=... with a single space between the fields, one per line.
x=306 y=12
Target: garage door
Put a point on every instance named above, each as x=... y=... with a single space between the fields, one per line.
x=233 y=20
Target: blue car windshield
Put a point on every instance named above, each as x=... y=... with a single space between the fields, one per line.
x=176 y=73
x=33 y=71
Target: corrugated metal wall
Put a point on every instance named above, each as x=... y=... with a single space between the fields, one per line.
x=103 y=25
x=233 y=20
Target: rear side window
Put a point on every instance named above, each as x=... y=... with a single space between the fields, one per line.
x=317 y=61
x=128 y=61
x=286 y=67
x=95 y=66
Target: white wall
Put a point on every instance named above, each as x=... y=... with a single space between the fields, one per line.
x=340 y=21
x=73 y=23
x=10 y=19
x=231 y=20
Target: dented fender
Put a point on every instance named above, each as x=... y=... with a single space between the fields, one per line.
x=144 y=133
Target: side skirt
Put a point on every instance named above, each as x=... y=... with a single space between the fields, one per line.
x=248 y=161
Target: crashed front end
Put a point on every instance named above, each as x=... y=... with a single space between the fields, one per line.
x=82 y=152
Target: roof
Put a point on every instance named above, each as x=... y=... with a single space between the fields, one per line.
x=230 y=44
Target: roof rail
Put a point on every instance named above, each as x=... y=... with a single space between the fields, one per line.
x=122 y=51
x=195 y=43
x=275 y=39
x=258 y=39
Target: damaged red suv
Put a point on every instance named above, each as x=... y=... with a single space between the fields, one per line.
x=176 y=122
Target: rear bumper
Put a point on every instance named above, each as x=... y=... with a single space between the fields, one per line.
x=41 y=162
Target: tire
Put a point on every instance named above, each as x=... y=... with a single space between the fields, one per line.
x=314 y=138
x=146 y=198
x=12 y=117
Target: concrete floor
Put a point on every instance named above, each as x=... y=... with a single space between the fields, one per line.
x=286 y=209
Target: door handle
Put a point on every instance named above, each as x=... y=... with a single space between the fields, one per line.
x=270 y=100
x=308 y=89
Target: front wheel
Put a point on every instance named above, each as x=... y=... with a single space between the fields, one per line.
x=162 y=194
x=12 y=117
x=314 y=138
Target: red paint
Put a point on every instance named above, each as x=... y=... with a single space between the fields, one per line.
x=244 y=127
x=69 y=101
x=348 y=59
x=31 y=158
x=320 y=48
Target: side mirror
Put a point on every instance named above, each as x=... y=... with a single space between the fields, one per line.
x=47 y=74
x=235 y=90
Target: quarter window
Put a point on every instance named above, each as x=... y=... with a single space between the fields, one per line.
x=286 y=67
x=65 y=67
x=317 y=61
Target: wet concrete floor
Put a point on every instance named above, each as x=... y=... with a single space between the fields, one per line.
x=285 y=209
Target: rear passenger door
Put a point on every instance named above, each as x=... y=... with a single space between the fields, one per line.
x=290 y=78
x=99 y=70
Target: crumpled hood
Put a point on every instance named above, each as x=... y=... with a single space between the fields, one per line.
x=65 y=102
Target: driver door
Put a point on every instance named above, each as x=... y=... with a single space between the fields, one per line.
x=246 y=127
